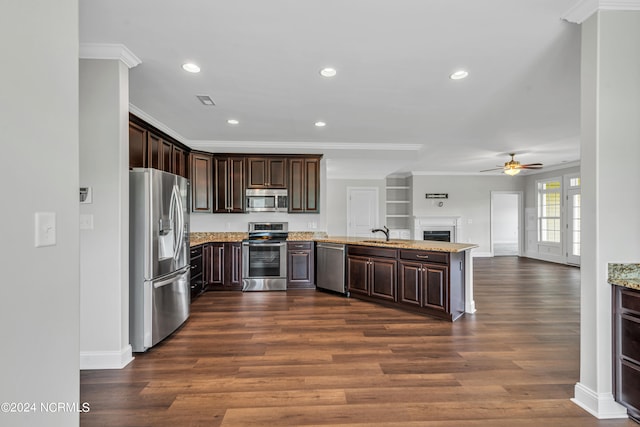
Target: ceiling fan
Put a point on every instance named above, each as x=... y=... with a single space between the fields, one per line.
x=513 y=167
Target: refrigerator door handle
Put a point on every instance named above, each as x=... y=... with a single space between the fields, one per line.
x=176 y=206
x=169 y=280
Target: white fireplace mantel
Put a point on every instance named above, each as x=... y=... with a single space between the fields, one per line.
x=439 y=223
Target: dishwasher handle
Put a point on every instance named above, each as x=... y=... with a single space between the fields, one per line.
x=337 y=248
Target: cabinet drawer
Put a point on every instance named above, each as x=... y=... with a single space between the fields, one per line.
x=629 y=333
x=196 y=251
x=425 y=256
x=196 y=268
x=299 y=246
x=630 y=387
x=370 y=251
x=630 y=300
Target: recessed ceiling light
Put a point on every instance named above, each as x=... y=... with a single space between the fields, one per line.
x=460 y=74
x=328 y=72
x=320 y=124
x=190 y=67
x=233 y=121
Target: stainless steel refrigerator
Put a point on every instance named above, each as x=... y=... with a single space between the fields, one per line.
x=159 y=293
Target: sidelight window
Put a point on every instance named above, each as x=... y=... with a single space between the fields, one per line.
x=549 y=210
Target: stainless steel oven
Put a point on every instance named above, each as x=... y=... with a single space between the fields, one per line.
x=264 y=257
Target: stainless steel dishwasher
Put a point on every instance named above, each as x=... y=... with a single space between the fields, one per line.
x=330 y=267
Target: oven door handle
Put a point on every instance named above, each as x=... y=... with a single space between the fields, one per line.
x=263 y=244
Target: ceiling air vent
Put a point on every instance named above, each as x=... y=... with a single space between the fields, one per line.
x=206 y=100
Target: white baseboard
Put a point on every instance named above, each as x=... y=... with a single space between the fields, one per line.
x=548 y=258
x=600 y=405
x=481 y=254
x=106 y=359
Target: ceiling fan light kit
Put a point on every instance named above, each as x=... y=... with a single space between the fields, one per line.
x=513 y=167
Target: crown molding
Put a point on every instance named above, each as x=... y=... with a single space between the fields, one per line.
x=109 y=51
x=583 y=9
x=157 y=124
x=227 y=145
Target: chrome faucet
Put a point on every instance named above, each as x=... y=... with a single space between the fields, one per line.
x=384 y=229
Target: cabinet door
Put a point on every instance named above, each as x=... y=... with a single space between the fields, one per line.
x=410 y=283
x=201 y=192
x=216 y=264
x=358 y=275
x=257 y=172
x=277 y=169
x=179 y=163
x=266 y=172
x=435 y=284
x=166 y=154
x=137 y=146
x=236 y=190
x=221 y=184
x=296 y=185
x=312 y=185
x=155 y=151
x=233 y=264
x=304 y=191
x=383 y=278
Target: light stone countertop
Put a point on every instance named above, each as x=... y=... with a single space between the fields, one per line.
x=426 y=245
x=625 y=275
x=198 y=238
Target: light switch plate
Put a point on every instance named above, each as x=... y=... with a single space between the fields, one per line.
x=86 y=222
x=45 y=223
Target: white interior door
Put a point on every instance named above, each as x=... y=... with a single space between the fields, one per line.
x=362 y=211
x=573 y=226
x=506 y=222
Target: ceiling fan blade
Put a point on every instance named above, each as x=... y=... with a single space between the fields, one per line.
x=530 y=166
x=494 y=169
x=534 y=164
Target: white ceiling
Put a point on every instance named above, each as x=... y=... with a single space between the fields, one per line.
x=392 y=107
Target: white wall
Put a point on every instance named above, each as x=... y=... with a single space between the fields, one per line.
x=337 y=202
x=104 y=256
x=610 y=202
x=469 y=198
x=39 y=293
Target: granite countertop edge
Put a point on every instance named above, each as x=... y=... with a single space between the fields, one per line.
x=199 y=238
x=625 y=275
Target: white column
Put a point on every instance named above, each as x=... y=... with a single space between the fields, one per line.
x=610 y=201
x=104 y=237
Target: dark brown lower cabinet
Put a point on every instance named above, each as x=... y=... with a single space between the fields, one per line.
x=626 y=349
x=196 y=276
x=300 y=265
x=371 y=272
x=423 y=281
x=224 y=266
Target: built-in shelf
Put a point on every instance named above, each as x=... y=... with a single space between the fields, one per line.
x=398 y=205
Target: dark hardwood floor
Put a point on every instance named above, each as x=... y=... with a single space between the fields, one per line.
x=307 y=358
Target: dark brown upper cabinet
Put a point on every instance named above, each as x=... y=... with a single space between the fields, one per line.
x=228 y=184
x=201 y=183
x=266 y=172
x=304 y=185
x=138 y=147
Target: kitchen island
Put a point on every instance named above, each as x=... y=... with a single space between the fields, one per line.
x=428 y=277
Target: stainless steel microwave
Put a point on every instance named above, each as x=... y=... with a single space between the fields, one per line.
x=258 y=200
